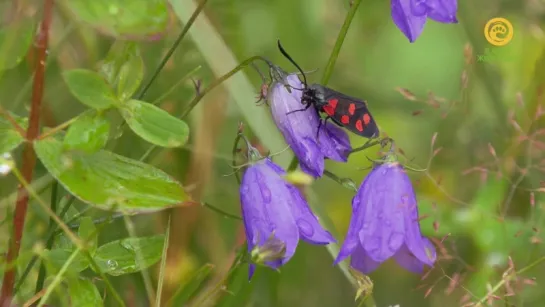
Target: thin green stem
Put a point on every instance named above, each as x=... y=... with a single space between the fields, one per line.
x=333 y=58
x=50 y=236
x=51 y=239
x=508 y=278
x=77 y=242
x=186 y=28
x=163 y=265
x=340 y=40
x=219 y=81
x=58 y=277
x=225 y=214
x=150 y=293
x=234 y=266
x=171 y=89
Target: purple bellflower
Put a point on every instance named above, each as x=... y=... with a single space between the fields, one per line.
x=385 y=224
x=300 y=129
x=410 y=15
x=275 y=216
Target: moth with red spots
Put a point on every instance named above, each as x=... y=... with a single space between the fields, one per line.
x=348 y=112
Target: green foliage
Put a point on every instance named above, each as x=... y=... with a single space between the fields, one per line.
x=123 y=68
x=58 y=257
x=88 y=233
x=9 y=137
x=188 y=289
x=83 y=293
x=90 y=88
x=155 y=125
x=109 y=181
x=123 y=18
x=129 y=255
x=15 y=40
x=88 y=133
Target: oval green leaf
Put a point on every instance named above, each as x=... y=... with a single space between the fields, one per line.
x=88 y=233
x=88 y=133
x=129 y=255
x=9 y=137
x=123 y=18
x=15 y=40
x=90 y=88
x=109 y=181
x=155 y=125
x=58 y=257
x=83 y=293
x=123 y=68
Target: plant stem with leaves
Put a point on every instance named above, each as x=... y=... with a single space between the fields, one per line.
x=29 y=156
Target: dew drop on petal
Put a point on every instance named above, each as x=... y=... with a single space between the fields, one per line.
x=395 y=241
x=365 y=225
x=375 y=244
x=305 y=228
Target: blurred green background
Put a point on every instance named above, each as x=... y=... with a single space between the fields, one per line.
x=480 y=207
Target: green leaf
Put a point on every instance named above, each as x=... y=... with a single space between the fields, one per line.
x=186 y=291
x=90 y=88
x=125 y=18
x=83 y=293
x=154 y=124
x=88 y=133
x=58 y=257
x=109 y=181
x=9 y=137
x=15 y=40
x=120 y=257
x=123 y=68
x=88 y=233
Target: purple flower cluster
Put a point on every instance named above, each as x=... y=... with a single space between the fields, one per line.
x=410 y=16
x=384 y=221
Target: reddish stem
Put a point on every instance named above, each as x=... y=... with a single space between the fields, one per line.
x=29 y=156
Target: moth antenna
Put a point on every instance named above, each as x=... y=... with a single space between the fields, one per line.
x=293 y=62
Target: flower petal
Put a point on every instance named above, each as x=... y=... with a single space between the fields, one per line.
x=264 y=199
x=334 y=142
x=352 y=240
x=419 y=246
x=299 y=128
x=362 y=262
x=408 y=261
x=403 y=16
x=310 y=229
x=383 y=230
x=442 y=10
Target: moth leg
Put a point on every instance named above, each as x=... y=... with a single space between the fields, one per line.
x=304 y=109
x=320 y=125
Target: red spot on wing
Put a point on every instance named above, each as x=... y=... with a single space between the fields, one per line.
x=352 y=108
x=366 y=119
x=359 y=125
x=345 y=119
x=328 y=110
x=330 y=107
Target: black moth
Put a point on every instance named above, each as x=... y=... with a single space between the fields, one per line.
x=348 y=112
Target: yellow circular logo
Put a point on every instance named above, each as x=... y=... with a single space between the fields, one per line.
x=498 y=31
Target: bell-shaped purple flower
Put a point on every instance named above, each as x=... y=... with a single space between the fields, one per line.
x=300 y=129
x=410 y=15
x=275 y=216
x=385 y=224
